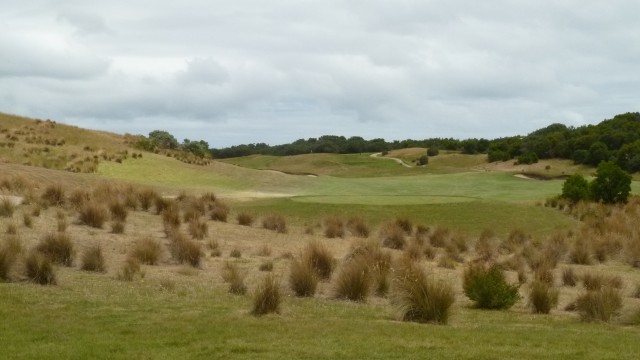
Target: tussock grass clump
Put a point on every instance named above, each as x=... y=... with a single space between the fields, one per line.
x=417 y=297
x=39 y=269
x=147 y=251
x=353 y=280
x=245 y=219
x=440 y=237
x=118 y=211
x=275 y=222
x=447 y=262
x=58 y=247
x=53 y=195
x=393 y=236
x=161 y=204
x=11 y=229
x=232 y=275
x=146 y=198
x=78 y=198
x=27 y=220
x=235 y=253
x=599 y=305
x=320 y=258
x=333 y=227
x=569 y=277
x=581 y=253
x=214 y=246
x=597 y=281
x=378 y=260
x=405 y=224
x=130 y=270
x=6 y=207
x=267 y=296
x=266 y=266
x=117 y=227
x=93 y=259
x=219 y=212
x=544 y=274
x=358 y=227
x=302 y=277
x=414 y=251
x=186 y=250
x=198 y=229
x=171 y=219
x=264 y=250
x=485 y=247
x=542 y=297
x=487 y=287
x=93 y=215
x=10 y=249
x=61 y=224
x=516 y=240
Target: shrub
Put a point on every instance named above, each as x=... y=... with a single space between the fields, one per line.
x=39 y=269
x=599 y=305
x=232 y=274
x=320 y=259
x=93 y=260
x=542 y=297
x=117 y=227
x=53 y=195
x=130 y=269
x=6 y=207
x=93 y=215
x=198 y=229
x=58 y=247
x=186 y=250
x=267 y=297
x=275 y=222
x=487 y=287
x=440 y=237
x=147 y=251
x=393 y=236
x=9 y=251
x=353 y=280
x=358 y=227
x=118 y=211
x=418 y=298
x=611 y=185
x=245 y=219
x=576 y=188
x=333 y=227
x=220 y=212
x=569 y=277
x=302 y=277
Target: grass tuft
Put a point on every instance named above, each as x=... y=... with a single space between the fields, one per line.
x=93 y=215
x=542 y=297
x=358 y=227
x=58 y=247
x=53 y=195
x=93 y=259
x=320 y=258
x=393 y=236
x=267 y=297
x=333 y=227
x=353 y=280
x=302 y=277
x=198 y=229
x=186 y=250
x=39 y=269
x=276 y=223
x=245 y=219
x=10 y=249
x=147 y=251
x=219 y=212
x=6 y=207
x=232 y=274
x=599 y=305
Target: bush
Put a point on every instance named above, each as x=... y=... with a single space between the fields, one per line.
x=320 y=258
x=433 y=151
x=542 y=297
x=487 y=287
x=93 y=215
x=147 y=251
x=611 y=185
x=93 y=260
x=599 y=305
x=393 y=236
x=418 y=298
x=302 y=277
x=576 y=188
x=423 y=160
x=6 y=207
x=198 y=229
x=39 y=269
x=267 y=297
x=219 y=212
x=353 y=281
x=275 y=222
x=53 y=195
x=245 y=219
x=333 y=227
x=58 y=247
x=358 y=227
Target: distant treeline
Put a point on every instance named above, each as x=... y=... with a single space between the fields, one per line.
x=616 y=139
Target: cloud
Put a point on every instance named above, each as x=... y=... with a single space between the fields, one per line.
x=249 y=71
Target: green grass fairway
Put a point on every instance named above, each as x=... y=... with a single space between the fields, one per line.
x=100 y=318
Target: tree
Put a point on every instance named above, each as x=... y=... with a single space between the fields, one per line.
x=612 y=184
x=598 y=152
x=163 y=139
x=576 y=188
x=433 y=151
x=423 y=160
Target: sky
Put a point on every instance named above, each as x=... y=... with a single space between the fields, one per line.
x=246 y=71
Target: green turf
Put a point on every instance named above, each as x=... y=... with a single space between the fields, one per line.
x=101 y=318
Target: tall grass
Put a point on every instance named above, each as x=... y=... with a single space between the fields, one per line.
x=275 y=222
x=147 y=251
x=393 y=236
x=302 y=277
x=232 y=275
x=267 y=296
x=320 y=259
x=10 y=249
x=93 y=259
x=358 y=227
x=58 y=247
x=6 y=207
x=93 y=215
x=185 y=250
x=334 y=227
x=353 y=280
x=39 y=269
x=542 y=297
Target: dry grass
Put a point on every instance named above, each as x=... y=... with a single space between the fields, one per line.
x=419 y=298
x=27 y=220
x=198 y=229
x=219 y=212
x=275 y=222
x=54 y=195
x=334 y=227
x=393 y=236
x=39 y=269
x=358 y=227
x=245 y=219
x=405 y=224
x=267 y=296
x=118 y=211
x=599 y=305
x=58 y=247
x=6 y=207
x=117 y=227
x=266 y=266
x=10 y=250
x=542 y=297
x=130 y=270
x=147 y=251
x=11 y=229
x=232 y=275
x=93 y=259
x=93 y=215
x=303 y=279
x=353 y=280
x=186 y=251
x=569 y=277
x=320 y=258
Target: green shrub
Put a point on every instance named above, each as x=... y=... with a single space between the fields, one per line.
x=542 y=297
x=599 y=305
x=302 y=277
x=267 y=297
x=353 y=280
x=58 y=247
x=93 y=260
x=39 y=269
x=611 y=185
x=433 y=151
x=147 y=251
x=419 y=298
x=576 y=188
x=488 y=288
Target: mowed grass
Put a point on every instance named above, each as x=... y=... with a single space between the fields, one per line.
x=100 y=318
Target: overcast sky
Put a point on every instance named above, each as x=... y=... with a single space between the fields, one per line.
x=232 y=72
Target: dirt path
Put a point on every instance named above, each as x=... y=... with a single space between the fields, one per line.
x=399 y=161
x=15 y=200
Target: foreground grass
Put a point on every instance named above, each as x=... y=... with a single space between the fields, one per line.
x=101 y=318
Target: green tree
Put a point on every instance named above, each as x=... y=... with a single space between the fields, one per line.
x=163 y=139
x=423 y=160
x=612 y=184
x=598 y=152
x=576 y=188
